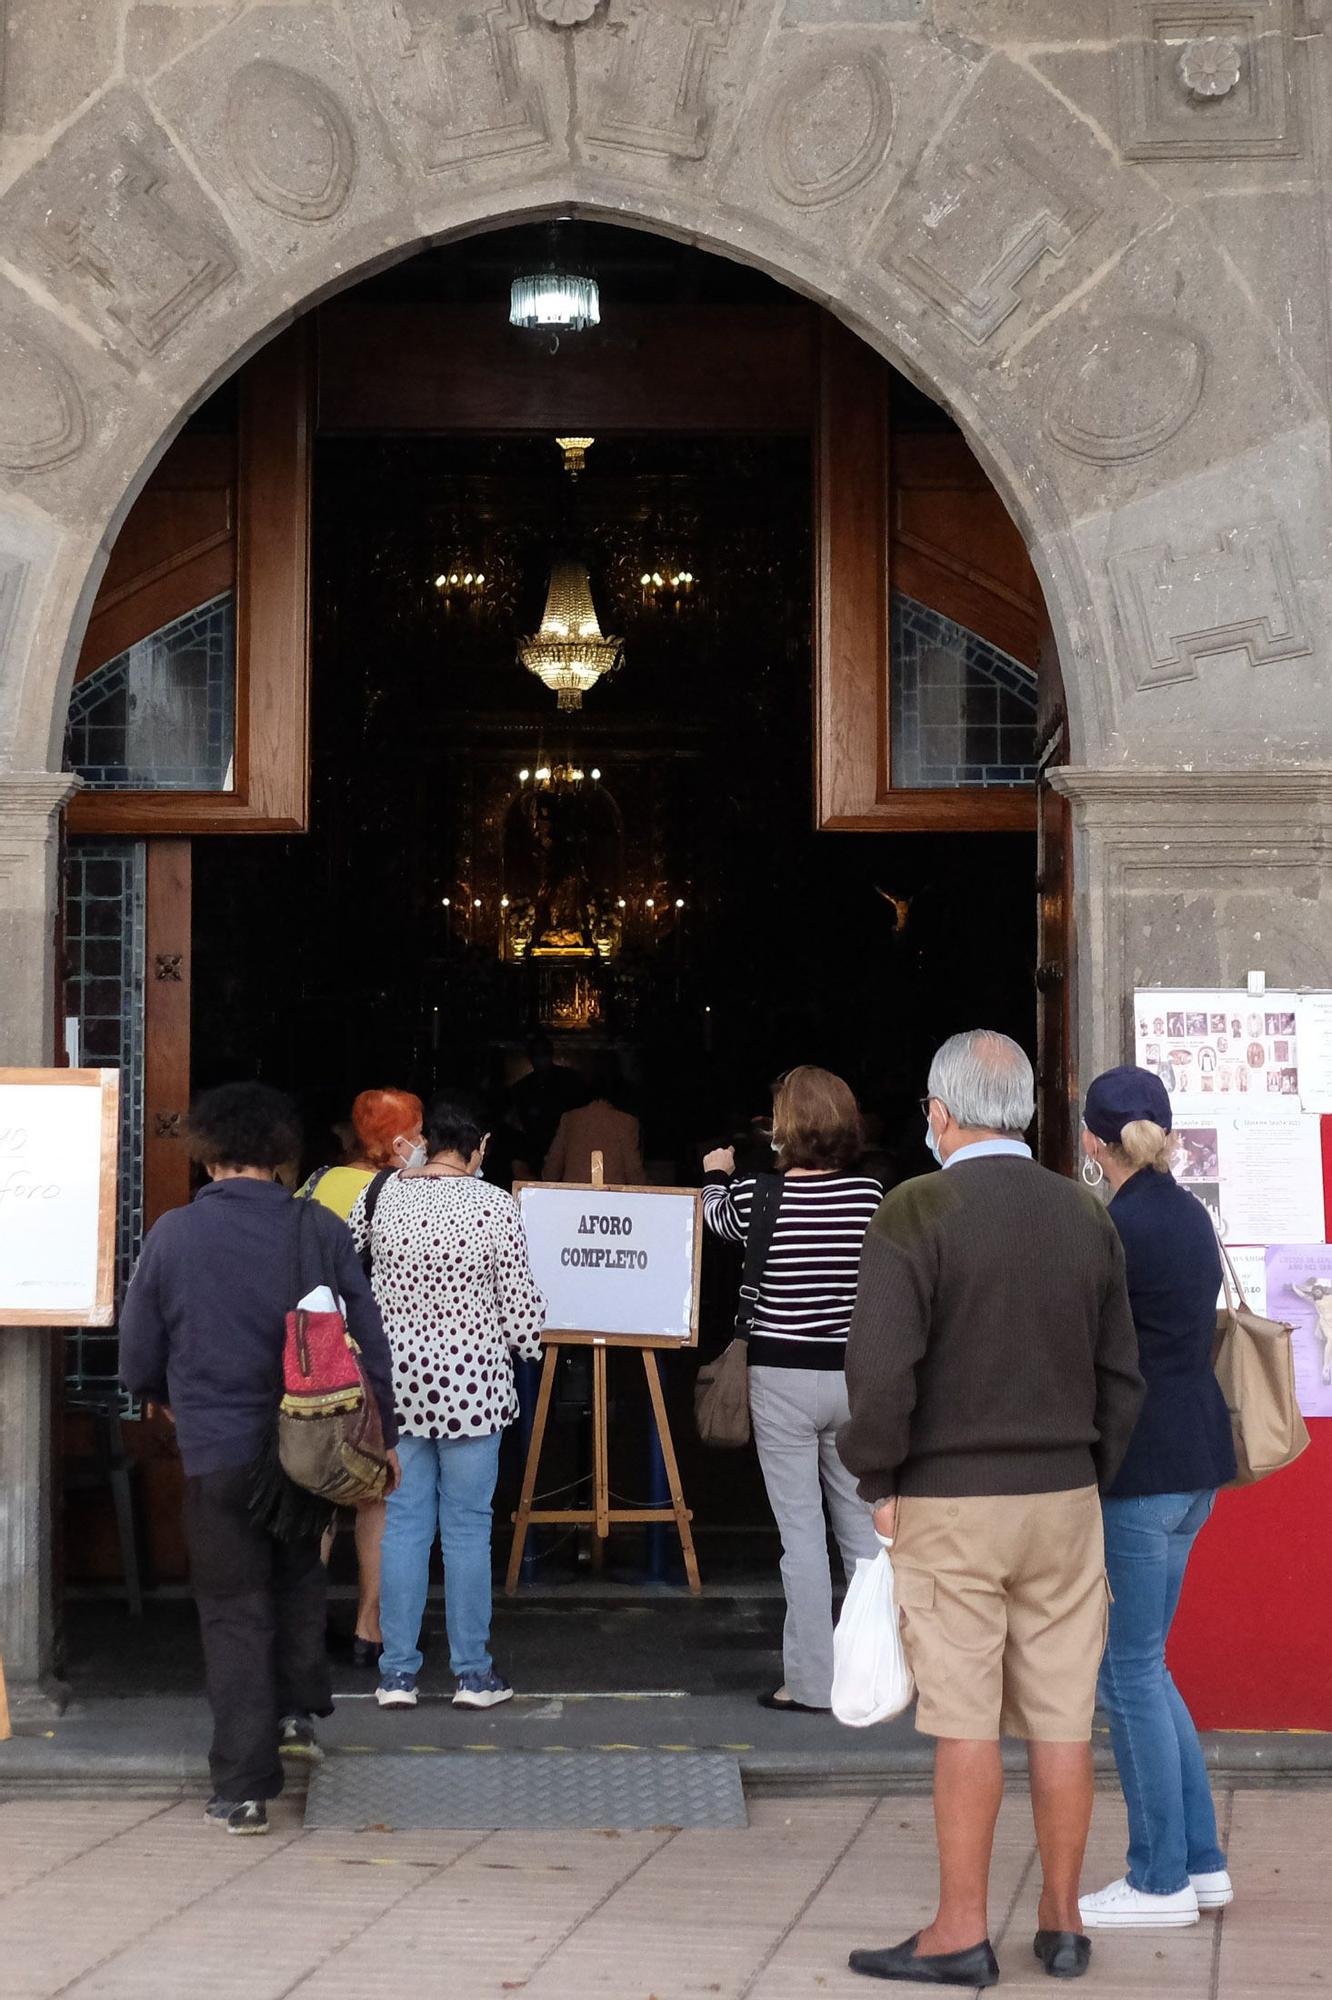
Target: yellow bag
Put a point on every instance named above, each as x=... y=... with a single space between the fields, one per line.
x=1255 y=1366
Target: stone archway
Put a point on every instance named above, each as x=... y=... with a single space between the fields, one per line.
x=1092 y=250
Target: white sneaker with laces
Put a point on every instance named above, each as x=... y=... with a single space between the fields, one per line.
x=1214 y=1892
x=1121 y=1907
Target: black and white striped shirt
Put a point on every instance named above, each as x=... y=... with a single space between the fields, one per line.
x=808 y=1285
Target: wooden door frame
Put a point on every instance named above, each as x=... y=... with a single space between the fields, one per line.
x=853 y=788
x=272 y=578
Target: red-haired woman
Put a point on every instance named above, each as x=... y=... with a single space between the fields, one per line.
x=387 y=1124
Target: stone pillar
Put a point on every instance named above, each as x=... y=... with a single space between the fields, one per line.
x=1194 y=878
x=29 y=851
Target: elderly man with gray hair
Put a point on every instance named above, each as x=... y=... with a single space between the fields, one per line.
x=993 y=1378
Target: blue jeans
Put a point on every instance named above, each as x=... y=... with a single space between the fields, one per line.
x=1172 y=1821
x=449 y=1484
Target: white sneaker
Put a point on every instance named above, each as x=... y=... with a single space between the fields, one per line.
x=1122 y=1908
x=1213 y=1891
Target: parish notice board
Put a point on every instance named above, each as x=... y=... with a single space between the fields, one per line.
x=1250 y=1084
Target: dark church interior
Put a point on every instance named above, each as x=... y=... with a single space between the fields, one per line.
x=638 y=877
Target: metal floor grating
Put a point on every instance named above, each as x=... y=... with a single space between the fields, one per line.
x=627 y=1790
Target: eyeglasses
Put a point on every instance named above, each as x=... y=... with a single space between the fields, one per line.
x=925 y=1104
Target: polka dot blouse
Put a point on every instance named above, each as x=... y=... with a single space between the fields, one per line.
x=451 y=1276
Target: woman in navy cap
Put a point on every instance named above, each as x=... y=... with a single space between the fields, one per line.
x=1180 y=1453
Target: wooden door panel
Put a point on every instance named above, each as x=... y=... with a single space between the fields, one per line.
x=856 y=560
x=266 y=553
x=1056 y=1106
x=166 y=1027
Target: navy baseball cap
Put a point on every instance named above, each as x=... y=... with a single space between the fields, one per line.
x=1120 y=1096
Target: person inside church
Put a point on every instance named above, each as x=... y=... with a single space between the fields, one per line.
x=541 y=1098
x=602 y=1126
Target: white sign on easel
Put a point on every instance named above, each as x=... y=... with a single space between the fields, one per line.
x=620 y=1262
x=59 y=1130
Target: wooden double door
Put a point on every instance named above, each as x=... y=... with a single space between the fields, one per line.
x=896 y=506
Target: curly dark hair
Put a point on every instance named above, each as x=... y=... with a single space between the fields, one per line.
x=244 y=1125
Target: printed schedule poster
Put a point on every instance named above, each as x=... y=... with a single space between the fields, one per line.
x=1260 y=1176
x=1249 y=1261
x=1313 y=1031
x=1299 y=1289
x=612 y=1261
x=1220 y=1051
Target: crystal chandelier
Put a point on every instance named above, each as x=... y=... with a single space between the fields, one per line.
x=569 y=652
x=566 y=301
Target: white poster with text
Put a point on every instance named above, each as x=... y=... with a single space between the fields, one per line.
x=50 y=1198
x=613 y=1262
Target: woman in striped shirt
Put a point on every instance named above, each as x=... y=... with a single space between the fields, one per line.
x=797 y=1353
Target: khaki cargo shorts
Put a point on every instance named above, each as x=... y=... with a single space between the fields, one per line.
x=1004 y=1605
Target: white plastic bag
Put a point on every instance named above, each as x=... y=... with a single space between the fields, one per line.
x=871 y=1679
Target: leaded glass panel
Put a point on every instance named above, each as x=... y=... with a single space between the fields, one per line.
x=162 y=715
x=105 y=883
x=963 y=712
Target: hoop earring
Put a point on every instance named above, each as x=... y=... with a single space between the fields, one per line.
x=1093 y=1173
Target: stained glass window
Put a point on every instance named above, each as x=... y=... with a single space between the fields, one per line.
x=162 y=715
x=963 y=713
x=104 y=959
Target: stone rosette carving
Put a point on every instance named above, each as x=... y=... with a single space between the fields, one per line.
x=1211 y=65
x=1199 y=81
x=567 y=13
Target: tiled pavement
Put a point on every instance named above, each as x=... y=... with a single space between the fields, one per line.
x=136 y=1900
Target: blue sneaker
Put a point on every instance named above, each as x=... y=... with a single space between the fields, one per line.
x=482 y=1690
x=397 y=1691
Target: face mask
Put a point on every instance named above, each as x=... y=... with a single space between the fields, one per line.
x=932 y=1141
x=417 y=1157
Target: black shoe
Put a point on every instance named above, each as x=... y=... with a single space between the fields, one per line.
x=1064 y=1954
x=238 y=1816
x=366 y=1652
x=977 y=1966
x=296 y=1738
x=786 y=1704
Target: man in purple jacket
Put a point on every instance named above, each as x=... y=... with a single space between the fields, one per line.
x=201 y=1332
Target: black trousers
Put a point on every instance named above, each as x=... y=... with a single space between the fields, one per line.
x=261 y=1612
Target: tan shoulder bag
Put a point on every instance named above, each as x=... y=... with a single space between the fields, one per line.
x=1255 y=1365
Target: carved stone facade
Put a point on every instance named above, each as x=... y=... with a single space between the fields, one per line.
x=1110 y=257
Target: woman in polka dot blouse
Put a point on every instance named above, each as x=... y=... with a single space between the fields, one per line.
x=451 y=1276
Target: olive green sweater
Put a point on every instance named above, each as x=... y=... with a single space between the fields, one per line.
x=992 y=1349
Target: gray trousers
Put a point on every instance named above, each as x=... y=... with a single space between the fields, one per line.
x=796 y=1413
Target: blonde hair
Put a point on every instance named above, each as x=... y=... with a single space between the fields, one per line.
x=1144 y=1144
x=815 y=1120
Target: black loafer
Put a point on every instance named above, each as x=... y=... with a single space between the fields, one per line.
x=976 y=1966
x=789 y=1705
x=1064 y=1954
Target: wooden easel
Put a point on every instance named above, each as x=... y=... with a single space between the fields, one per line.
x=601 y=1515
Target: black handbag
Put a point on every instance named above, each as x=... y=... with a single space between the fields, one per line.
x=721 y=1387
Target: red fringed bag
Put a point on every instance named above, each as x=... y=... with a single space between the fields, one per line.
x=330 y=1438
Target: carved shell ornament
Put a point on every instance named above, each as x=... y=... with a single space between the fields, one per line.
x=567 y=13
x=1211 y=65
